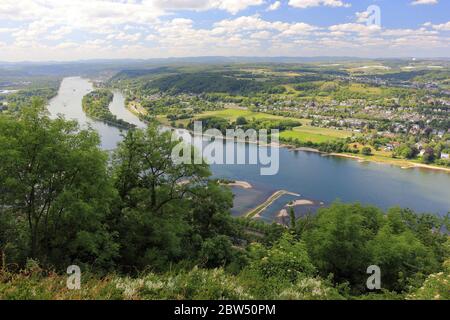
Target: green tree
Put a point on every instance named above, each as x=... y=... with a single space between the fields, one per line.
x=240 y=121
x=167 y=209
x=287 y=259
x=293 y=218
x=406 y=152
x=400 y=256
x=337 y=241
x=367 y=151
x=216 y=251
x=428 y=156
x=54 y=182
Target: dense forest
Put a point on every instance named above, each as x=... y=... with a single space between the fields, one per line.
x=206 y=82
x=141 y=226
x=24 y=97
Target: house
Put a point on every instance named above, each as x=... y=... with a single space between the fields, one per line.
x=445 y=156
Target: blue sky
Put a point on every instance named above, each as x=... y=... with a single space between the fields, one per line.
x=37 y=30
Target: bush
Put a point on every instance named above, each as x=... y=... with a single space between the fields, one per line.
x=367 y=151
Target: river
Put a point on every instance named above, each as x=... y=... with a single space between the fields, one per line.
x=315 y=177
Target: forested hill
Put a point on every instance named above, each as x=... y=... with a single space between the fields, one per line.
x=207 y=82
x=134 y=73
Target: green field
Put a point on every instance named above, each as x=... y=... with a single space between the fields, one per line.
x=315 y=134
x=233 y=114
x=303 y=133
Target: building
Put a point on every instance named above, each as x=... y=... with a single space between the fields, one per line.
x=445 y=156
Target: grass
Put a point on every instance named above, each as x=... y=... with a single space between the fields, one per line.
x=233 y=114
x=229 y=114
x=361 y=88
x=314 y=134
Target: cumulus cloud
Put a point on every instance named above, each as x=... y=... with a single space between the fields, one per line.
x=441 y=27
x=232 y=6
x=419 y=2
x=69 y=29
x=361 y=17
x=315 y=3
x=355 y=28
x=274 y=6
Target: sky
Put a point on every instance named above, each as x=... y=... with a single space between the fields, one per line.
x=64 y=30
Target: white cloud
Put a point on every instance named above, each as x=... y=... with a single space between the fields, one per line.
x=355 y=28
x=418 y=2
x=261 y=35
x=60 y=33
x=68 y=45
x=315 y=3
x=232 y=6
x=80 y=29
x=361 y=17
x=122 y=36
x=8 y=30
x=274 y=6
x=442 y=27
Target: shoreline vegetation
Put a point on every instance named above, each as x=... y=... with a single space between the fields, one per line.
x=96 y=106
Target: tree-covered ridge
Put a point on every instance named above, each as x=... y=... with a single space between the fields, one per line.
x=142 y=226
x=206 y=82
x=96 y=105
x=22 y=98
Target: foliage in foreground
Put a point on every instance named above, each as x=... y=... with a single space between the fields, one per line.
x=210 y=284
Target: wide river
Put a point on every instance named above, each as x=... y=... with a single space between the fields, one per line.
x=321 y=179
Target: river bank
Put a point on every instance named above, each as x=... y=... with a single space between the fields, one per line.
x=404 y=164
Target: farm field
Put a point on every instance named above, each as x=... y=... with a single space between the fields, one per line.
x=315 y=134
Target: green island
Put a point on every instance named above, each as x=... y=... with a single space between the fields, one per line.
x=96 y=106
